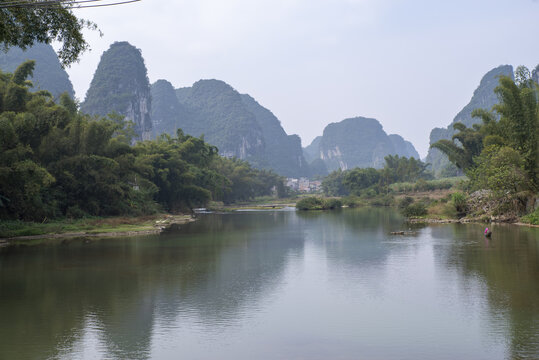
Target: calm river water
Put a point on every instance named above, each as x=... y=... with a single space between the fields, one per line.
x=277 y=285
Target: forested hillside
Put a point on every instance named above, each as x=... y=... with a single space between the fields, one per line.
x=237 y=124
x=357 y=142
x=167 y=112
x=48 y=73
x=121 y=84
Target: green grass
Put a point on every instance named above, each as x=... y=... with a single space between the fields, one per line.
x=13 y=228
x=532 y=218
x=437 y=184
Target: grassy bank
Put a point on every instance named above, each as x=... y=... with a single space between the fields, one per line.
x=117 y=225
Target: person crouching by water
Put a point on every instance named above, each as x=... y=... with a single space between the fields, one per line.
x=487 y=232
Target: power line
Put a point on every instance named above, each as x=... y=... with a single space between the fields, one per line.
x=70 y=4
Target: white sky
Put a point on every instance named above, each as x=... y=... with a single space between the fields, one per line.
x=411 y=64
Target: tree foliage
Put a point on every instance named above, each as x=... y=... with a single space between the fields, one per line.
x=25 y=25
x=57 y=161
x=502 y=155
x=358 y=181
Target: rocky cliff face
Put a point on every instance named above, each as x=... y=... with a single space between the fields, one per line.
x=483 y=98
x=283 y=153
x=121 y=84
x=48 y=73
x=357 y=142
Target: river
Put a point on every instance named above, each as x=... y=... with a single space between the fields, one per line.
x=277 y=285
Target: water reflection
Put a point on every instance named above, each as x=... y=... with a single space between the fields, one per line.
x=508 y=264
x=252 y=285
x=215 y=270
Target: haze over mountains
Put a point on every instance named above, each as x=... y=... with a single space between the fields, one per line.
x=236 y=123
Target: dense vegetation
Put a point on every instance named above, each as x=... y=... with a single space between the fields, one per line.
x=502 y=156
x=361 y=181
x=22 y=26
x=57 y=161
x=317 y=203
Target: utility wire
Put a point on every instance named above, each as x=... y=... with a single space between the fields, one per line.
x=102 y=5
x=71 y=4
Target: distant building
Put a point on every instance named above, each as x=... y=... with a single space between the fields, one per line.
x=303 y=185
x=315 y=186
x=292 y=183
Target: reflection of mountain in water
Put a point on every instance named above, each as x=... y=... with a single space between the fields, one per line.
x=509 y=266
x=125 y=284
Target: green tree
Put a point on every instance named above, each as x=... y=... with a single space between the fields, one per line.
x=500 y=169
x=333 y=184
x=24 y=25
x=469 y=144
x=519 y=119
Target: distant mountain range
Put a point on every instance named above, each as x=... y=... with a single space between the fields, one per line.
x=236 y=123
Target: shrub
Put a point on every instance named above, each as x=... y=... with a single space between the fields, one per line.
x=352 y=201
x=332 y=204
x=310 y=203
x=316 y=203
x=458 y=200
x=532 y=218
x=417 y=209
x=405 y=201
x=383 y=200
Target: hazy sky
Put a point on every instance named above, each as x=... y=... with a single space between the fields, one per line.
x=411 y=64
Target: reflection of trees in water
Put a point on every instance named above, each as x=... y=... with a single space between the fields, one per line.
x=509 y=266
x=352 y=237
x=48 y=291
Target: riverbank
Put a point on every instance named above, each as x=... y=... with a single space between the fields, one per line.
x=11 y=231
x=466 y=221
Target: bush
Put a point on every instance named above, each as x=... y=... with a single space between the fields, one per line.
x=417 y=209
x=332 y=204
x=310 y=203
x=383 y=200
x=352 y=201
x=458 y=200
x=74 y=212
x=532 y=218
x=405 y=201
x=316 y=203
